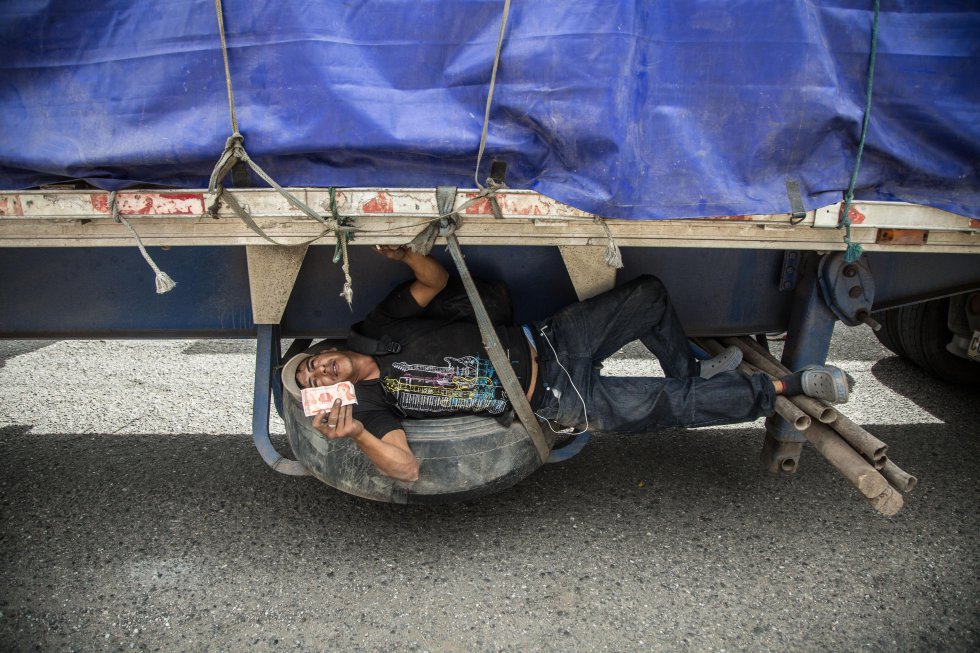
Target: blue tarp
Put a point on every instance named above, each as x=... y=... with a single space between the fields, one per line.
x=631 y=109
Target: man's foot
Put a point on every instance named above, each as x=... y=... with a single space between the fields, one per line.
x=825 y=382
x=726 y=361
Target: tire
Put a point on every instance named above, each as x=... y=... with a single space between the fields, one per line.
x=460 y=458
x=889 y=335
x=924 y=335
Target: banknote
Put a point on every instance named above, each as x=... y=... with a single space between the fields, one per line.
x=318 y=400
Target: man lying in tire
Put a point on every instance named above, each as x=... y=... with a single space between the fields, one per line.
x=442 y=368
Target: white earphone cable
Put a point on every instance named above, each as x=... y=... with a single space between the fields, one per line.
x=585 y=410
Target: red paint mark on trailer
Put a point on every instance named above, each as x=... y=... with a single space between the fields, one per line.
x=380 y=203
x=974 y=224
x=152 y=203
x=526 y=209
x=480 y=207
x=147 y=205
x=509 y=205
x=10 y=205
x=856 y=216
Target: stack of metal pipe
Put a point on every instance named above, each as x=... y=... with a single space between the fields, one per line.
x=859 y=456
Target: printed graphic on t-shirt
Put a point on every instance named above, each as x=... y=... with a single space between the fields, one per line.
x=464 y=385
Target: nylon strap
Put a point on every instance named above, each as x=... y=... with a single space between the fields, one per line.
x=797 y=210
x=501 y=362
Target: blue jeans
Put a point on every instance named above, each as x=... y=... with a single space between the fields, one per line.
x=582 y=335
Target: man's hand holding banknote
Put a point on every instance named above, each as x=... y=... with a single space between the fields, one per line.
x=332 y=409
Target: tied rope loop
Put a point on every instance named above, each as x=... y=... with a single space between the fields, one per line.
x=854 y=250
x=234 y=153
x=235 y=145
x=163 y=281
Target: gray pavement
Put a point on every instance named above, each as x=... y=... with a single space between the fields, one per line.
x=135 y=515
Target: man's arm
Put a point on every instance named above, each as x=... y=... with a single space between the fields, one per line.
x=390 y=454
x=430 y=276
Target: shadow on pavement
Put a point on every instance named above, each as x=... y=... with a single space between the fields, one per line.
x=14 y=348
x=178 y=523
x=946 y=401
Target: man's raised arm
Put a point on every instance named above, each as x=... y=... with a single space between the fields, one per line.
x=430 y=276
x=390 y=454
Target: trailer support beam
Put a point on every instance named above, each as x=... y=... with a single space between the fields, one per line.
x=272 y=272
x=588 y=270
x=811 y=327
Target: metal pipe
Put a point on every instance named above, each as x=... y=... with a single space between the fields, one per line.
x=788 y=410
x=847 y=461
x=813 y=408
x=821 y=412
x=847 y=450
x=898 y=476
x=866 y=444
x=764 y=361
x=791 y=413
x=782 y=405
x=888 y=502
x=780 y=456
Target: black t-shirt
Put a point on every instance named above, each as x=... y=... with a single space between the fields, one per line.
x=442 y=368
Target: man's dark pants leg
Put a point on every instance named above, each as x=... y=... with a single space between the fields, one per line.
x=586 y=333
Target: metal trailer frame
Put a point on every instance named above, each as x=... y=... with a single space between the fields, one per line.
x=64 y=271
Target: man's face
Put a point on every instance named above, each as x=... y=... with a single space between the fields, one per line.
x=326 y=368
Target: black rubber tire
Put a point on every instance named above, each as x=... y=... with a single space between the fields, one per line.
x=460 y=458
x=924 y=335
x=888 y=335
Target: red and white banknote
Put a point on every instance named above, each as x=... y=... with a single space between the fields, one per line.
x=318 y=400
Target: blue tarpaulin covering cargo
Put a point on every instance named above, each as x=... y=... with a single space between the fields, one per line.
x=627 y=109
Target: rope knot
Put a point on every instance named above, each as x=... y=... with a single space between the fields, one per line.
x=854 y=250
x=234 y=141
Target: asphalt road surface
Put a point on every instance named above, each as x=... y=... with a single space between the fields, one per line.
x=135 y=515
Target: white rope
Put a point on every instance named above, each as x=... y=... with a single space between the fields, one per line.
x=348 y=292
x=234 y=153
x=614 y=258
x=163 y=281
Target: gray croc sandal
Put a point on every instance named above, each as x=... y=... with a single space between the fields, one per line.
x=825 y=382
x=726 y=361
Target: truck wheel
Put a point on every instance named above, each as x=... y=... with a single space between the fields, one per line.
x=888 y=334
x=460 y=458
x=924 y=335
